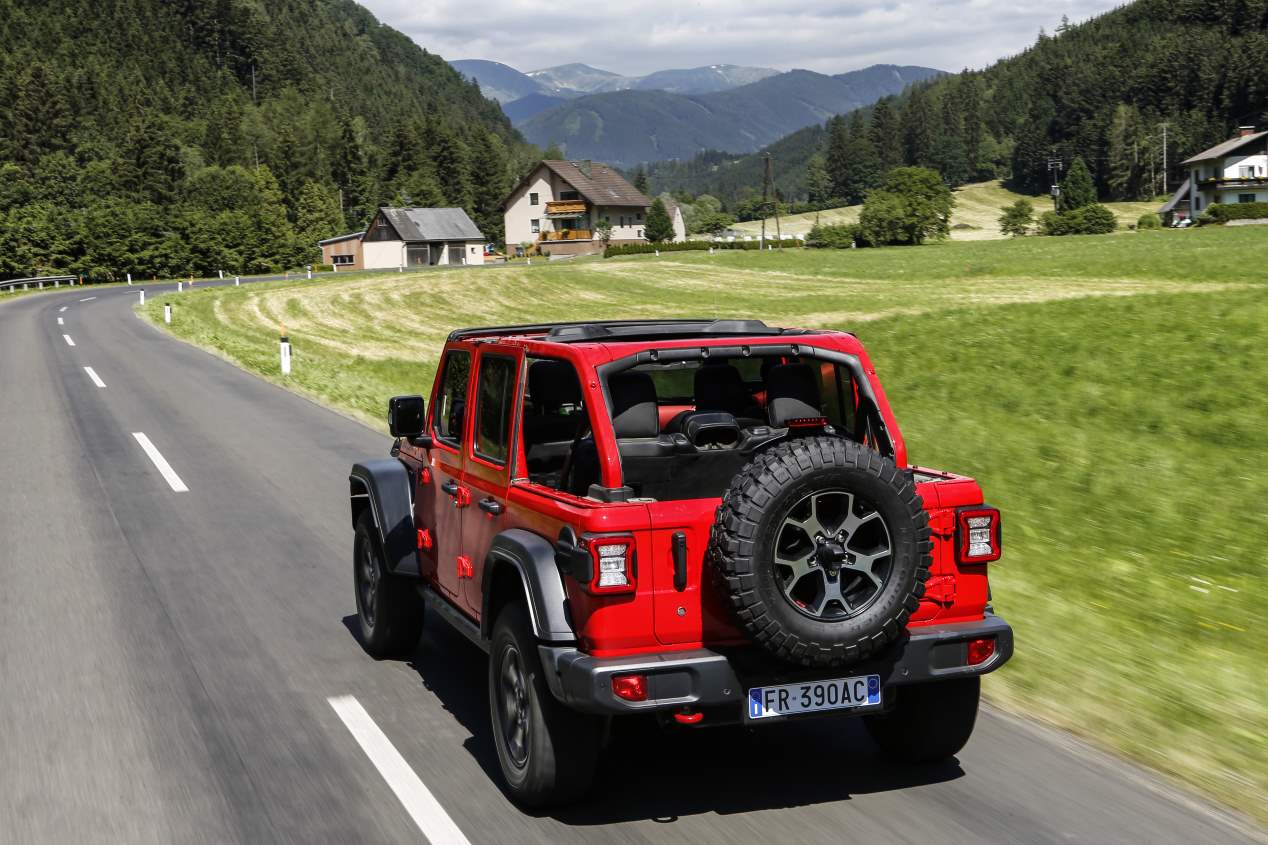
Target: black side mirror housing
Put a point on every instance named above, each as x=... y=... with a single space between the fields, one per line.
x=406 y=416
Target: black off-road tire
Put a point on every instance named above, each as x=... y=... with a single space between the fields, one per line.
x=389 y=610
x=556 y=761
x=930 y=722
x=746 y=528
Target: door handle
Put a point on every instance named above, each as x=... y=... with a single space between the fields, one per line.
x=491 y=506
x=680 y=561
x=450 y=487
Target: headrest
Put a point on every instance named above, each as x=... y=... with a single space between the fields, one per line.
x=792 y=392
x=720 y=387
x=553 y=383
x=634 y=411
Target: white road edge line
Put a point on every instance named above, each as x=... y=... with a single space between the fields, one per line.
x=63 y=308
x=69 y=342
x=421 y=805
x=173 y=480
x=88 y=299
x=96 y=379
x=60 y=321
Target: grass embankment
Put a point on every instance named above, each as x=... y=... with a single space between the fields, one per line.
x=974 y=218
x=1108 y=392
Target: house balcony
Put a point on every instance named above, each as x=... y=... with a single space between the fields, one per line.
x=567 y=235
x=1227 y=183
x=567 y=208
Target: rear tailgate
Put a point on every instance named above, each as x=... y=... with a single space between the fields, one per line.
x=697 y=613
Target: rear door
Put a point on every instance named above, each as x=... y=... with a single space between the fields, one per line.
x=489 y=458
x=439 y=509
x=686 y=604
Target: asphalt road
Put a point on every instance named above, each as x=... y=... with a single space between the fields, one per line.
x=167 y=657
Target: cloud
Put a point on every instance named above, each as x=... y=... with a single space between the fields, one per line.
x=828 y=36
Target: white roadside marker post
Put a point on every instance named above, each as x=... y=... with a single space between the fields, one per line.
x=284 y=349
x=237 y=281
x=167 y=313
x=142 y=292
x=222 y=273
x=310 y=272
x=129 y=280
x=180 y=286
x=41 y=286
x=658 y=253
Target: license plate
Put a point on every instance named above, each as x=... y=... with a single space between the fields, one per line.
x=813 y=696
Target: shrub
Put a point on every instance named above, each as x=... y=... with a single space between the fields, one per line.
x=1088 y=220
x=693 y=246
x=1224 y=212
x=1017 y=218
x=1149 y=220
x=835 y=236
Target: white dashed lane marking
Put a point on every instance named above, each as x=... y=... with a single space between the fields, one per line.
x=60 y=321
x=169 y=474
x=69 y=342
x=63 y=308
x=96 y=379
x=88 y=299
x=421 y=805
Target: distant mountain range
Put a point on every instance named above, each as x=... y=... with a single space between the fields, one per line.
x=626 y=128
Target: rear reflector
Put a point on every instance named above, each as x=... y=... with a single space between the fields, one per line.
x=686 y=717
x=630 y=687
x=980 y=650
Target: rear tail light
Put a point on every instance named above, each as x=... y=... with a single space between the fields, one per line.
x=978 y=535
x=614 y=569
x=980 y=650
x=630 y=687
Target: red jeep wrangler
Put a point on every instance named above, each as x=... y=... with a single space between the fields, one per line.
x=709 y=521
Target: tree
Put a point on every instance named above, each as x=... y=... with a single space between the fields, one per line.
x=453 y=165
x=912 y=206
x=886 y=136
x=317 y=217
x=41 y=116
x=659 y=227
x=950 y=153
x=490 y=183
x=837 y=157
x=1078 y=189
x=918 y=128
x=1017 y=218
x=1129 y=152
x=863 y=165
x=604 y=231
x=818 y=185
x=640 y=181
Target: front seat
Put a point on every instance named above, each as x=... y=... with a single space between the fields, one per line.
x=792 y=392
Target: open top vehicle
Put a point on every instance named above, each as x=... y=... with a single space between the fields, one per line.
x=711 y=521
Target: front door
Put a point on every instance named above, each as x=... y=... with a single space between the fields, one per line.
x=449 y=432
x=489 y=458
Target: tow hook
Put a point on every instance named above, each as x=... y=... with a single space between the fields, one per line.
x=686 y=717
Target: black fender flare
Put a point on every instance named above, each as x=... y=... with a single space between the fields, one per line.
x=533 y=557
x=385 y=482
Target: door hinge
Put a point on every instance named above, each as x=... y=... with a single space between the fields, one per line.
x=941 y=589
x=942 y=523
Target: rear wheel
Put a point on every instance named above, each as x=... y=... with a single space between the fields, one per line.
x=547 y=752
x=388 y=609
x=930 y=722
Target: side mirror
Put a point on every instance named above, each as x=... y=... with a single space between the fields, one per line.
x=405 y=416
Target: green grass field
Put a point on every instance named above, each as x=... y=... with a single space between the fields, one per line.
x=975 y=217
x=1109 y=393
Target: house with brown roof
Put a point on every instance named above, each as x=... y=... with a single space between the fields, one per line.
x=559 y=205
x=1231 y=172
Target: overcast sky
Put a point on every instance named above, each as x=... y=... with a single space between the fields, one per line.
x=829 y=36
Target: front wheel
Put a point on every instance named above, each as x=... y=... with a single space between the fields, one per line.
x=930 y=722
x=547 y=752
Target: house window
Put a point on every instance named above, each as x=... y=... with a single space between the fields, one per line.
x=569 y=196
x=1197 y=203
x=640 y=217
x=533 y=199
x=1245 y=197
x=341 y=259
x=535 y=225
x=640 y=233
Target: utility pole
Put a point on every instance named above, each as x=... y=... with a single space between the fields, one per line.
x=1164 y=156
x=1054 y=175
x=761 y=245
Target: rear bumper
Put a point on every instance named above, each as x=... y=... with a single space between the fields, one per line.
x=704 y=678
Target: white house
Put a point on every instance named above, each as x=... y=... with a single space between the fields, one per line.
x=1231 y=172
x=408 y=237
x=560 y=204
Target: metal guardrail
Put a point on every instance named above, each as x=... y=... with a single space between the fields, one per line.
x=37 y=282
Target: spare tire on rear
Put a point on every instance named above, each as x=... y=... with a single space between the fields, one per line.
x=822 y=547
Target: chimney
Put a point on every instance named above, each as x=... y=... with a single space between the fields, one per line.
x=1243 y=131
x=586 y=167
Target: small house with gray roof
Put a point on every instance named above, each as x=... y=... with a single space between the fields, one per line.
x=409 y=238
x=557 y=208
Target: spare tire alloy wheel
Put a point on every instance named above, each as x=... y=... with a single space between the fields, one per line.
x=832 y=555
x=822 y=548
